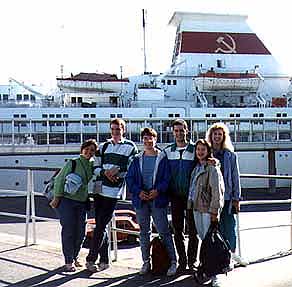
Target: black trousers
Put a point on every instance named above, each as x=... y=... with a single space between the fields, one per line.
x=181 y=216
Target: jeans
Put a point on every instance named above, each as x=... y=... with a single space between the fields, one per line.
x=180 y=214
x=72 y=216
x=104 y=208
x=202 y=221
x=227 y=225
x=160 y=219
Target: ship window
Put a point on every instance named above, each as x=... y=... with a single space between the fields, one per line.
x=86 y=124
x=255 y=115
x=23 y=124
x=93 y=124
x=279 y=115
x=73 y=100
x=174 y=82
x=58 y=116
x=5 y=97
x=26 y=97
x=79 y=100
x=44 y=124
x=32 y=98
x=238 y=115
x=177 y=115
x=65 y=116
x=163 y=82
x=168 y=82
x=207 y=115
x=93 y=116
x=0 y=97
x=261 y=115
x=51 y=116
x=214 y=100
x=44 y=115
x=59 y=124
x=119 y=115
x=112 y=116
x=150 y=115
x=86 y=116
x=284 y=115
x=241 y=99
x=23 y=116
x=170 y=115
x=16 y=116
x=18 y=97
x=231 y=115
x=214 y=115
x=220 y=63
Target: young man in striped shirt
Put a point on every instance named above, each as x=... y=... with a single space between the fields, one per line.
x=114 y=156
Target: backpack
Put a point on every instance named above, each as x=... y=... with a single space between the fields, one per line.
x=215 y=253
x=48 y=191
x=159 y=257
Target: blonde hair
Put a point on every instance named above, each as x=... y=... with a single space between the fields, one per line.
x=226 y=144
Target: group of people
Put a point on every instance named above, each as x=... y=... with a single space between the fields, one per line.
x=200 y=180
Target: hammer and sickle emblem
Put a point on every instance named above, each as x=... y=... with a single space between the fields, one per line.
x=230 y=45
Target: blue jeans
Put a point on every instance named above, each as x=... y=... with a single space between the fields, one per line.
x=227 y=225
x=159 y=216
x=72 y=216
x=104 y=209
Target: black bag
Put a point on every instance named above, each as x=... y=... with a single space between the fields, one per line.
x=215 y=253
x=159 y=257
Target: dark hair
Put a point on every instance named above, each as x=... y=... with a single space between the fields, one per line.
x=88 y=143
x=206 y=144
x=148 y=132
x=118 y=122
x=180 y=122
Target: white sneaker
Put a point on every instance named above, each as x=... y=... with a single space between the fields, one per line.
x=171 y=270
x=215 y=282
x=145 y=268
x=239 y=260
x=91 y=266
x=102 y=266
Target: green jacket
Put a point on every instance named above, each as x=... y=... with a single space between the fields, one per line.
x=84 y=168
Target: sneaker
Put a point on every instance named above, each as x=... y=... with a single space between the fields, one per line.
x=215 y=282
x=91 y=267
x=69 y=267
x=239 y=260
x=145 y=268
x=102 y=266
x=171 y=270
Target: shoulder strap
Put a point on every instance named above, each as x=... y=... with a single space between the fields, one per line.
x=73 y=165
x=104 y=147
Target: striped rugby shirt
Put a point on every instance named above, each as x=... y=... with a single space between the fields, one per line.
x=114 y=155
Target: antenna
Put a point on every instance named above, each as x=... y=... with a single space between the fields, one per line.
x=144 y=38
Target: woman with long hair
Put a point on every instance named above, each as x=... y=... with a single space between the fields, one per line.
x=222 y=148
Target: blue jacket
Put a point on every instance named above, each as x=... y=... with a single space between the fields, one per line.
x=181 y=167
x=231 y=176
x=161 y=176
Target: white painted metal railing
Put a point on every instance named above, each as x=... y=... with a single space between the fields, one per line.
x=31 y=216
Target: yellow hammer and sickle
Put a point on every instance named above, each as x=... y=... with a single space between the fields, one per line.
x=230 y=48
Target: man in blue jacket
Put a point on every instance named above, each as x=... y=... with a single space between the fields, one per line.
x=181 y=156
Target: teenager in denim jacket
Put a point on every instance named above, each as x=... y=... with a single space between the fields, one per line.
x=147 y=180
x=218 y=136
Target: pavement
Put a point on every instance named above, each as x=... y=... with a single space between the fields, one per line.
x=41 y=264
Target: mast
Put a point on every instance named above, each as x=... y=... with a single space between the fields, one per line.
x=144 y=39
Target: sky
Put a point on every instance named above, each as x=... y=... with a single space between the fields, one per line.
x=40 y=36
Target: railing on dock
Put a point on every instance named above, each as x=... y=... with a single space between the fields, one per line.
x=30 y=216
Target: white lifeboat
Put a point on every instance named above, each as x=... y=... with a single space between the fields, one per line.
x=234 y=81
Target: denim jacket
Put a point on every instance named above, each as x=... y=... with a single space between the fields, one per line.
x=161 y=177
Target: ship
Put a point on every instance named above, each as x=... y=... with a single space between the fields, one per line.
x=220 y=71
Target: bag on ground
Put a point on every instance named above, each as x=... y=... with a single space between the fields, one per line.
x=215 y=253
x=159 y=257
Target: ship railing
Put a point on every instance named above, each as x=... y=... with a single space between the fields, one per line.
x=30 y=216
